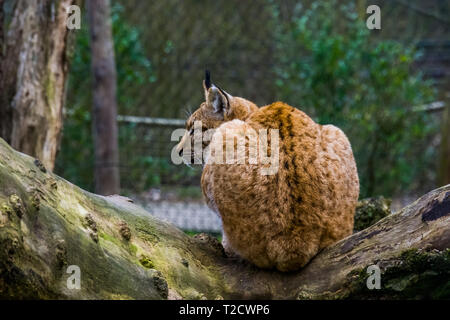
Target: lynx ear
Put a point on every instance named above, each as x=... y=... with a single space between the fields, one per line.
x=216 y=98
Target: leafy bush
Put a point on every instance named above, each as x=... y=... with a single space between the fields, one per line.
x=330 y=67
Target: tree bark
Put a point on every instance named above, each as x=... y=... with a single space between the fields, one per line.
x=48 y=224
x=104 y=99
x=444 y=176
x=33 y=76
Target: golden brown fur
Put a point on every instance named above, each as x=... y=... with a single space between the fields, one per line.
x=282 y=220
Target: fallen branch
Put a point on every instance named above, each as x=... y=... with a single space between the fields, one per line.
x=47 y=224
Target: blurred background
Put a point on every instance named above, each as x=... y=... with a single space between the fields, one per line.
x=387 y=89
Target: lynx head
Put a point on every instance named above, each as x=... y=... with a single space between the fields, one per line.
x=218 y=107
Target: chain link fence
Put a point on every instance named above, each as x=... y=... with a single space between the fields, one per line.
x=170 y=192
x=237 y=41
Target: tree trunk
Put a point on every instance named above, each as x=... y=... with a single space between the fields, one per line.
x=33 y=74
x=444 y=176
x=48 y=224
x=104 y=105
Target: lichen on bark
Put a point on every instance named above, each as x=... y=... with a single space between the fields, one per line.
x=414 y=274
x=371 y=210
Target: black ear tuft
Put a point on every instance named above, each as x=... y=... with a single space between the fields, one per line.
x=207 y=79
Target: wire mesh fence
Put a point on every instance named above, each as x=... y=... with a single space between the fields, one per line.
x=237 y=40
x=172 y=192
x=168 y=191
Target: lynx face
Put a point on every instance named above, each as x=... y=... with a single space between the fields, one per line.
x=219 y=107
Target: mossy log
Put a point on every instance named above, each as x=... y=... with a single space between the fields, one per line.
x=48 y=224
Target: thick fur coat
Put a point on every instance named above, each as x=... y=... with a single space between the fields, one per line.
x=280 y=220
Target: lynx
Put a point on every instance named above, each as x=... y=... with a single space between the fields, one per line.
x=279 y=220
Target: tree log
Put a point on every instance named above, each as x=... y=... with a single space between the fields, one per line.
x=48 y=224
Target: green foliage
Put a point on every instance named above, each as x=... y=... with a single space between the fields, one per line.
x=326 y=62
x=330 y=67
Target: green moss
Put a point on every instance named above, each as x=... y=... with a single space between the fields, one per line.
x=148 y=235
x=50 y=88
x=6 y=210
x=415 y=274
x=120 y=297
x=109 y=238
x=416 y=261
x=146 y=262
x=36 y=200
x=133 y=248
x=17 y=205
x=371 y=210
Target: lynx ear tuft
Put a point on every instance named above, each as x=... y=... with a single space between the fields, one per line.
x=216 y=98
x=207 y=79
